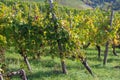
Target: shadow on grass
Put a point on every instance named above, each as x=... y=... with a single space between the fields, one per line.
x=98 y=66
x=113 y=59
x=89 y=48
x=101 y=67
x=44 y=74
x=44 y=63
x=94 y=58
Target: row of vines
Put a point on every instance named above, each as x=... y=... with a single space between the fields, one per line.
x=31 y=27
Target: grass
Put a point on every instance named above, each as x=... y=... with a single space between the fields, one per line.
x=50 y=69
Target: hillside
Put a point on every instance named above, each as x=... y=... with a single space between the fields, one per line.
x=82 y=4
x=78 y=4
x=87 y=4
x=103 y=3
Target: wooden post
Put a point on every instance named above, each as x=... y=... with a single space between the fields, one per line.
x=106 y=53
x=107 y=43
x=111 y=20
x=112 y=14
x=64 y=70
